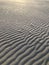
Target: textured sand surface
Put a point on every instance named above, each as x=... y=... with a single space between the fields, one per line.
x=24 y=32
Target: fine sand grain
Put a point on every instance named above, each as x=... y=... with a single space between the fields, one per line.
x=24 y=32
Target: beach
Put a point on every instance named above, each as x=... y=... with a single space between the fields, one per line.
x=24 y=32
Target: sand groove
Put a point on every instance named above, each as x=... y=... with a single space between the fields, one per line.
x=17 y=48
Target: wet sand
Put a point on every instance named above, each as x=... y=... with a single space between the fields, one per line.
x=24 y=32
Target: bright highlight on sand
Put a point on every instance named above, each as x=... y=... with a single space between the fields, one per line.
x=21 y=1
x=18 y=0
x=15 y=0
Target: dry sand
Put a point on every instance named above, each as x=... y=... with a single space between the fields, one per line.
x=24 y=32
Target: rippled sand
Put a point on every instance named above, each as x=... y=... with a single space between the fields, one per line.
x=24 y=32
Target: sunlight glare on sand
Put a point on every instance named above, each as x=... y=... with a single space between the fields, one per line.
x=21 y=1
x=18 y=0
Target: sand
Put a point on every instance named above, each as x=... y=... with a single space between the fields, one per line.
x=24 y=32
